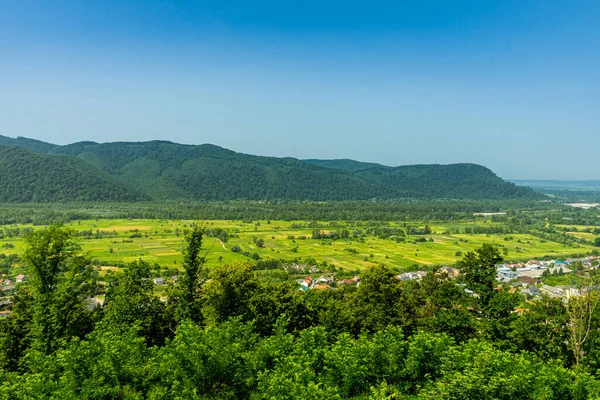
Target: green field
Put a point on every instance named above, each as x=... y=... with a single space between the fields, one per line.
x=161 y=242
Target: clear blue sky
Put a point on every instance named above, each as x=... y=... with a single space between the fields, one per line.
x=510 y=84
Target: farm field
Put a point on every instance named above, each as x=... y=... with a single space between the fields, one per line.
x=161 y=241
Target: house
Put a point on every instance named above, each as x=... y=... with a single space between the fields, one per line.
x=411 y=276
x=570 y=291
x=21 y=278
x=506 y=272
x=303 y=283
x=174 y=278
x=322 y=287
x=4 y=313
x=159 y=281
x=325 y=279
x=551 y=291
x=452 y=272
x=528 y=280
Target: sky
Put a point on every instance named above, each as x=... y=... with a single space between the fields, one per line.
x=510 y=84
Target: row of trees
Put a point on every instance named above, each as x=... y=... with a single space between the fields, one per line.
x=46 y=213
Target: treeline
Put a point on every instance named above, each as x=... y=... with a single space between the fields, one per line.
x=46 y=214
x=225 y=333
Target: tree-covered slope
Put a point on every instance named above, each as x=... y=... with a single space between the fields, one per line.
x=170 y=171
x=459 y=181
x=166 y=170
x=27 y=176
x=342 y=164
x=30 y=144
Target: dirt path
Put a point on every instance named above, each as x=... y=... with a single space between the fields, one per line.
x=222 y=244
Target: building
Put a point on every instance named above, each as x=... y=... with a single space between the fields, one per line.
x=528 y=280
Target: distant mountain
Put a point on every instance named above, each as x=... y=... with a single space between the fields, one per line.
x=27 y=176
x=168 y=171
x=458 y=181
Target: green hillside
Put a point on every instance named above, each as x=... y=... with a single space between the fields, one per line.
x=30 y=144
x=26 y=176
x=460 y=181
x=170 y=171
x=343 y=164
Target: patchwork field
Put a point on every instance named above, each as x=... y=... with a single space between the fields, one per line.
x=161 y=241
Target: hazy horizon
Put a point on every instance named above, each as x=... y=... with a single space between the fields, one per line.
x=510 y=85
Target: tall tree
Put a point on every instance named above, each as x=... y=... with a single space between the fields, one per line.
x=186 y=297
x=582 y=307
x=60 y=282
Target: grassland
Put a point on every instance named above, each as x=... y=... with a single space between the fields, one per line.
x=161 y=241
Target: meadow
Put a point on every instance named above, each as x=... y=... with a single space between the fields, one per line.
x=114 y=241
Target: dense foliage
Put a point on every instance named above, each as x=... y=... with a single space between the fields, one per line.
x=227 y=334
x=27 y=176
x=459 y=181
x=525 y=212
x=170 y=171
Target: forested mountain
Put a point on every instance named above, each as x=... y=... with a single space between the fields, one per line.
x=460 y=181
x=170 y=171
x=30 y=144
x=27 y=176
x=343 y=164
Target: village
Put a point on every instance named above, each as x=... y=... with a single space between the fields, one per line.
x=526 y=277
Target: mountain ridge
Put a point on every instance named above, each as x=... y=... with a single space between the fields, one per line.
x=164 y=170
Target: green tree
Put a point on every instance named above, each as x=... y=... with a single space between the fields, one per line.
x=60 y=282
x=186 y=295
x=228 y=293
x=132 y=301
x=479 y=270
x=14 y=331
x=378 y=302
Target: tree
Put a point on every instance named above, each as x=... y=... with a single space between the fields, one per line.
x=379 y=301
x=14 y=331
x=479 y=270
x=186 y=296
x=541 y=330
x=60 y=283
x=581 y=311
x=131 y=301
x=228 y=293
